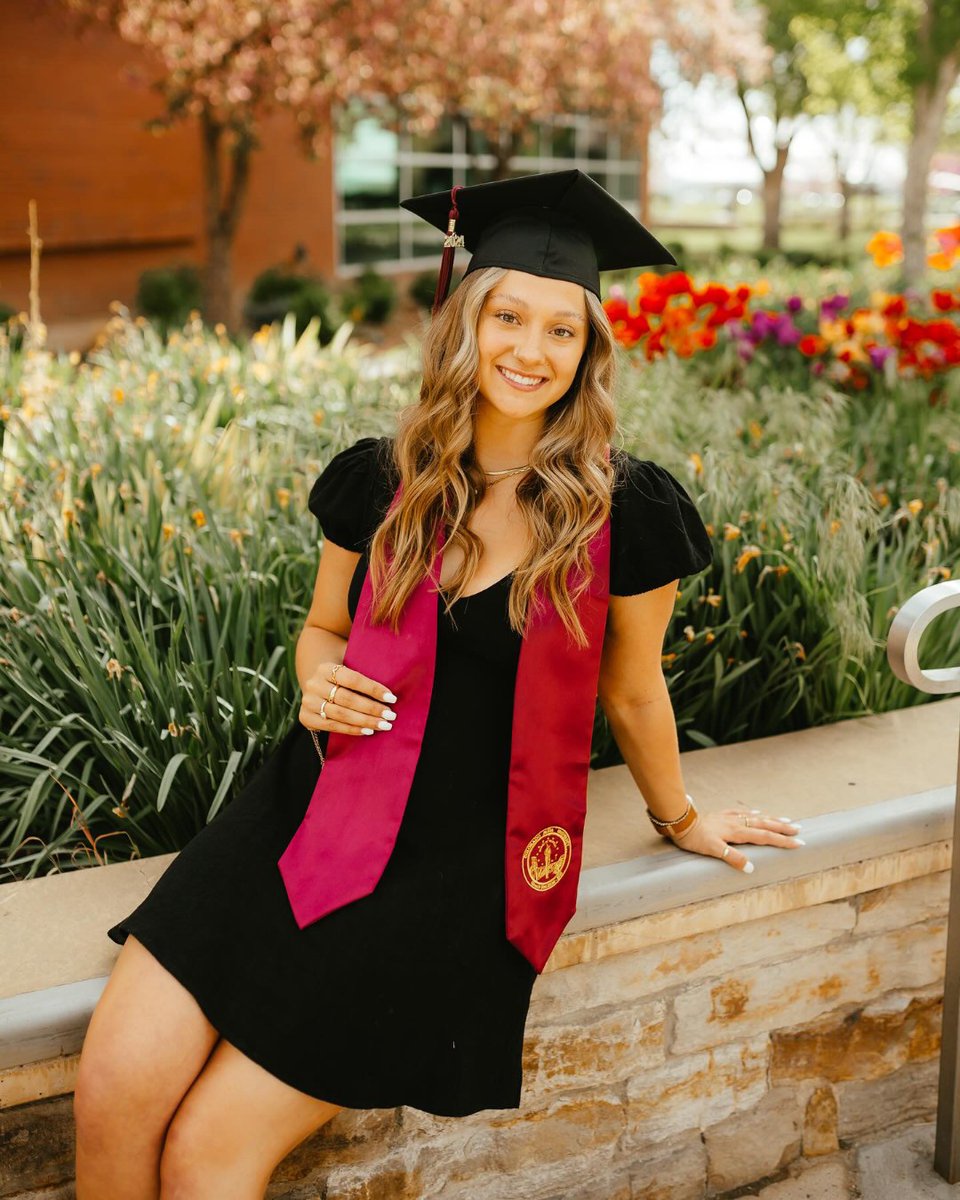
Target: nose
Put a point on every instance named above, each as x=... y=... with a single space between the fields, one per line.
x=529 y=347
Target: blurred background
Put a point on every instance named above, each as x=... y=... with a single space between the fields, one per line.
x=215 y=155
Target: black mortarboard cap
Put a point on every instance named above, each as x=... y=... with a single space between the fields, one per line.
x=560 y=224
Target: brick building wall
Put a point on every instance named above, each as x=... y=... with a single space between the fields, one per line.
x=113 y=198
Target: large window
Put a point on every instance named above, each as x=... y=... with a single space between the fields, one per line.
x=376 y=168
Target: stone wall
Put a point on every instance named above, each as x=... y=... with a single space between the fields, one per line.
x=687 y=1054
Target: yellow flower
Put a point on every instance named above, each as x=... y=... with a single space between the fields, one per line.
x=114 y=670
x=756 y=430
x=914 y=506
x=689 y=633
x=667 y=659
x=730 y=531
x=199 y=519
x=118 y=395
x=835 y=524
x=709 y=637
x=168 y=531
x=318 y=416
x=799 y=651
x=697 y=463
x=283 y=496
x=748 y=553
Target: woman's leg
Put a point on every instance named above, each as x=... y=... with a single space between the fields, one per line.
x=233 y=1127
x=146 y=1043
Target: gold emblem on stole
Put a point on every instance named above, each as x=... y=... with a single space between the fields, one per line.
x=547 y=857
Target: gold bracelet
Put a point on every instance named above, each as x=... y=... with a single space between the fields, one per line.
x=679 y=825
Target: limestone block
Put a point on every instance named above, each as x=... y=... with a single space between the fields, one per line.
x=570 y=1126
x=822 y=1181
x=820 y=1123
x=800 y=989
x=905 y=903
x=694 y=1091
x=389 y=1179
x=37 y=1145
x=354 y=1135
x=751 y=1145
x=666 y=965
x=590 y=1053
x=860 y=1043
x=672 y=1170
x=909 y=1094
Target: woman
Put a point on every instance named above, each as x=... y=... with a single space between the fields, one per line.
x=255 y=993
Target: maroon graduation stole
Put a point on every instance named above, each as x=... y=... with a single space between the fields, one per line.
x=341 y=847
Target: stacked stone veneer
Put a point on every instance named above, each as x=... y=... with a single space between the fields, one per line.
x=682 y=1055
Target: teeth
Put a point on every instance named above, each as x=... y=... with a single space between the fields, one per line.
x=524 y=379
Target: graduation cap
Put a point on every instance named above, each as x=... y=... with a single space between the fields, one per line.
x=559 y=224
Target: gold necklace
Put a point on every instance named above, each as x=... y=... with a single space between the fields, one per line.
x=508 y=471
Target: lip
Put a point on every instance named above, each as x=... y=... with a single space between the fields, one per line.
x=519 y=386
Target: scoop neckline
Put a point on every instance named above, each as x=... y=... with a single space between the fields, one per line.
x=488 y=588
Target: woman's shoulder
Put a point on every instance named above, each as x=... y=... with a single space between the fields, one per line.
x=350 y=495
x=656 y=531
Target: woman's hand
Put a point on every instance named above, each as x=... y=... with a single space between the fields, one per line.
x=712 y=832
x=357 y=706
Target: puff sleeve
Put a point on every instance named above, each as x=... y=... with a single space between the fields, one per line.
x=341 y=496
x=656 y=531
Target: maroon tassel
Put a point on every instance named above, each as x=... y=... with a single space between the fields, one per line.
x=450 y=243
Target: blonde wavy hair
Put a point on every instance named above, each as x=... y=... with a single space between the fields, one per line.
x=564 y=499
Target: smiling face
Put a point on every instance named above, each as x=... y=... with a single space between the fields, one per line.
x=532 y=333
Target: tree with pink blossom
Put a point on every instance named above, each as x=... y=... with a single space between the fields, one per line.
x=501 y=64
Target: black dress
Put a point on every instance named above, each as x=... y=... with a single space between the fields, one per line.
x=410 y=995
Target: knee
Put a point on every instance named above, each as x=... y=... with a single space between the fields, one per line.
x=194 y=1156
x=111 y=1094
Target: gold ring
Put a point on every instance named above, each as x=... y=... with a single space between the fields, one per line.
x=333 y=691
x=323 y=715
x=744 y=818
x=333 y=673
x=726 y=851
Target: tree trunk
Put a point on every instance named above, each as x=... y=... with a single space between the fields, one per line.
x=772 y=196
x=929 y=108
x=222 y=214
x=772 y=178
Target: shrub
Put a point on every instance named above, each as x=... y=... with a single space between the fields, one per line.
x=372 y=297
x=167 y=295
x=278 y=291
x=424 y=285
x=14 y=330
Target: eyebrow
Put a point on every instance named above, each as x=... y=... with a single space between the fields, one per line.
x=522 y=304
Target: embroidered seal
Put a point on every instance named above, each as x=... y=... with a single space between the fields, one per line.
x=546 y=857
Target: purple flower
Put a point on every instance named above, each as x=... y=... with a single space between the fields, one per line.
x=787 y=333
x=878 y=355
x=763 y=324
x=794 y=304
x=817 y=367
x=833 y=305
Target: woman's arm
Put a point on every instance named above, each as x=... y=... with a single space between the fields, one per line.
x=325 y=630
x=634 y=696
x=635 y=699
x=359 y=703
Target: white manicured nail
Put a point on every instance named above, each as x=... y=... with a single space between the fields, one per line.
x=367 y=729
x=384 y=725
x=390 y=697
x=799 y=841
x=388 y=713
x=748 y=867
